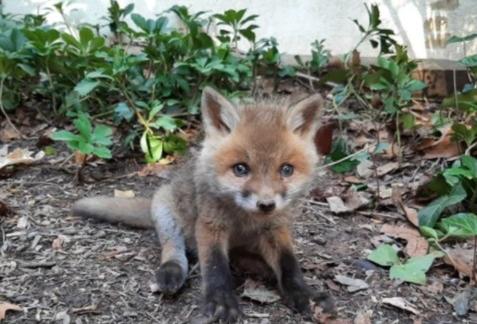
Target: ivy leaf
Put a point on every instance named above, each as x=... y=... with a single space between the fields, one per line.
x=462 y=225
x=429 y=215
x=384 y=255
x=102 y=152
x=63 y=135
x=85 y=86
x=414 y=270
x=83 y=125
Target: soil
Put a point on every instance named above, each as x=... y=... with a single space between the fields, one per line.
x=64 y=269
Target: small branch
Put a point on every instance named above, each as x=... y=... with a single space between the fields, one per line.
x=315 y=79
x=468 y=151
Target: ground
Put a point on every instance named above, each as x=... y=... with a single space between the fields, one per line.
x=63 y=269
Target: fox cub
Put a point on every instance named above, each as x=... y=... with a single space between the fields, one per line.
x=238 y=192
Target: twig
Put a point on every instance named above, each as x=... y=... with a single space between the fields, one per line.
x=9 y=121
x=470 y=148
x=315 y=79
x=474 y=263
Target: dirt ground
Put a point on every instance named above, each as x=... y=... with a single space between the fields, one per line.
x=63 y=269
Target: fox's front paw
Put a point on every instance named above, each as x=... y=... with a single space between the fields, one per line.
x=298 y=298
x=222 y=304
x=170 y=277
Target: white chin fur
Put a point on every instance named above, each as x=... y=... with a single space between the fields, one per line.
x=250 y=203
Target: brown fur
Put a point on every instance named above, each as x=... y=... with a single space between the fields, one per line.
x=214 y=211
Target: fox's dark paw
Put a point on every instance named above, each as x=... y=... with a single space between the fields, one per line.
x=170 y=277
x=222 y=305
x=298 y=298
x=324 y=301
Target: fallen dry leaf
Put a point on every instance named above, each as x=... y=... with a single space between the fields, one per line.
x=323 y=317
x=57 y=243
x=363 y=317
x=400 y=303
x=124 y=194
x=7 y=133
x=416 y=244
x=351 y=283
x=351 y=201
x=259 y=293
x=157 y=169
x=18 y=156
x=410 y=213
x=323 y=138
x=461 y=259
x=4 y=209
x=386 y=168
x=443 y=147
x=4 y=307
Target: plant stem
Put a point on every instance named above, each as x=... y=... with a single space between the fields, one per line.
x=2 y=81
x=474 y=259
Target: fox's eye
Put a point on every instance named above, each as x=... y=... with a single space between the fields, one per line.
x=286 y=170
x=241 y=169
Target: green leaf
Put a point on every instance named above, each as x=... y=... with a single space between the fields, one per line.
x=408 y=120
x=430 y=232
x=173 y=143
x=85 y=148
x=429 y=215
x=462 y=225
x=102 y=135
x=166 y=122
x=470 y=61
x=459 y=39
x=85 y=86
x=102 y=152
x=384 y=255
x=152 y=147
x=64 y=135
x=122 y=111
x=414 y=270
x=339 y=151
x=83 y=125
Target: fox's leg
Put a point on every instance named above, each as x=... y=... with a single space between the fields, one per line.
x=212 y=244
x=277 y=250
x=174 y=265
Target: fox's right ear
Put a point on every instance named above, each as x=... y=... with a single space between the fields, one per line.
x=218 y=113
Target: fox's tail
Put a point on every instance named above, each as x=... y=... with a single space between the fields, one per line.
x=134 y=212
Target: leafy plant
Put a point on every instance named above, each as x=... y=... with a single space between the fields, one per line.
x=377 y=36
x=235 y=25
x=455 y=185
x=320 y=57
x=87 y=140
x=391 y=79
x=412 y=270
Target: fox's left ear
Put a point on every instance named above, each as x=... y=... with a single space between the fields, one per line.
x=220 y=116
x=304 y=116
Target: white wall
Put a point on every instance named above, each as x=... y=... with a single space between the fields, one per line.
x=423 y=25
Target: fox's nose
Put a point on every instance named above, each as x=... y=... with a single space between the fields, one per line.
x=266 y=206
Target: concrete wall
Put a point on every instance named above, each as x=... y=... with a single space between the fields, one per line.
x=423 y=25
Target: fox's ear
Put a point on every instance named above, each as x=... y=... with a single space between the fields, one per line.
x=218 y=113
x=304 y=116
